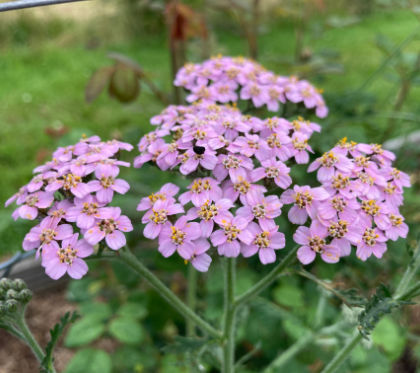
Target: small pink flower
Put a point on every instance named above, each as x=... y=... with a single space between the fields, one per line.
x=397 y=227
x=328 y=163
x=110 y=227
x=372 y=242
x=59 y=209
x=201 y=191
x=107 y=185
x=228 y=239
x=33 y=202
x=275 y=170
x=210 y=212
x=263 y=209
x=167 y=192
x=45 y=235
x=231 y=165
x=179 y=237
x=85 y=212
x=264 y=242
x=241 y=187
x=190 y=160
x=69 y=182
x=199 y=258
x=300 y=148
x=305 y=201
x=67 y=258
x=157 y=218
x=313 y=242
x=250 y=145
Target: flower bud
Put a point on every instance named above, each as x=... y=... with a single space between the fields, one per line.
x=5 y=284
x=12 y=294
x=25 y=295
x=18 y=284
x=11 y=305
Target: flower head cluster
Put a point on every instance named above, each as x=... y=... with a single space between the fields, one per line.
x=233 y=160
x=357 y=204
x=69 y=196
x=228 y=79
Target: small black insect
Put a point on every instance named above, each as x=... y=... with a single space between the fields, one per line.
x=199 y=149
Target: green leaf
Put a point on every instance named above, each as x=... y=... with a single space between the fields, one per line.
x=96 y=310
x=133 y=310
x=56 y=332
x=378 y=306
x=90 y=360
x=84 y=331
x=288 y=295
x=294 y=328
x=181 y=345
x=388 y=335
x=126 y=330
x=97 y=82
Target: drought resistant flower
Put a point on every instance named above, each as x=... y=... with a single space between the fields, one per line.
x=67 y=258
x=238 y=165
x=69 y=195
x=225 y=79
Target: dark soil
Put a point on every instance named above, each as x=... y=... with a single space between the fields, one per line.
x=43 y=312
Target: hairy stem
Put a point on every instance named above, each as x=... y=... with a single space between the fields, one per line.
x=408 y=275
x=131 y=260
x=343 y=354
x=191 y=298
x=268 y=279
x=294 y=349
x=229 y=318
x=29 y=338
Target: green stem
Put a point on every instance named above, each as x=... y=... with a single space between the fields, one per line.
x=294 y=349
x=229 y=318
x=29 y=338
x=268 y=279
x=131 y=260
x=343 y=354
x=408 y=275
x=191 y=297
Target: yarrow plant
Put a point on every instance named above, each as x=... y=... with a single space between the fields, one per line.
x=240 y=186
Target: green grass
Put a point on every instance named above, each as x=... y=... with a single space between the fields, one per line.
x=42 y=85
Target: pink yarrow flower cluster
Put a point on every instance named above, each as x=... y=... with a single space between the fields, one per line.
x=239 y=157
x=228 y=79
x=357 y=204
x=68 y=196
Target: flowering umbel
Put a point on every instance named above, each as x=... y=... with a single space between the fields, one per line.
x=239 y=168
x=237 y=160
x=69 y=196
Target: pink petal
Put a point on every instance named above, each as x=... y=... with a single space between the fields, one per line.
x=94 y=235
x=115 y=240
x=297 y=215
x=56 y=271
x=120 y=186
x=77 y=269
x=201 y=262
x=151 y=230
x=306 y=255
x=64 y=231
x=267 y=255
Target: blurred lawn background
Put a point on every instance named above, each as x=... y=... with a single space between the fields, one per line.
x=48 y=56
